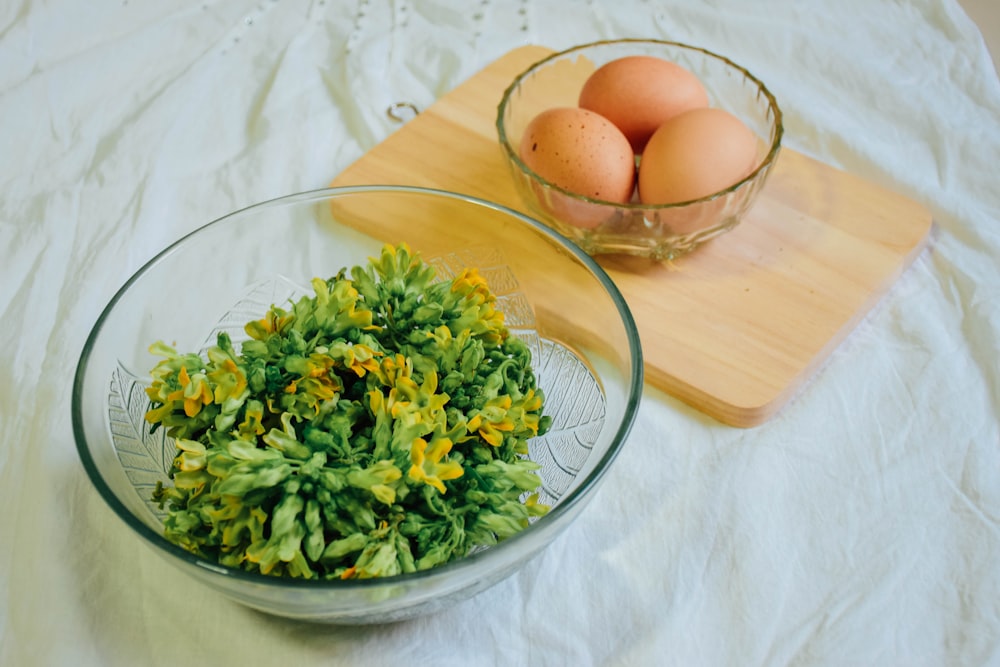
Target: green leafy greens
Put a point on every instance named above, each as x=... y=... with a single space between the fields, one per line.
x=377 y=427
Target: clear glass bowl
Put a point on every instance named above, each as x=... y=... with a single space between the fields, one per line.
x=586 y=355
x=663 y=231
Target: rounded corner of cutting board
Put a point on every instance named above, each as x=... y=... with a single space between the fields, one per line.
x=740 y=413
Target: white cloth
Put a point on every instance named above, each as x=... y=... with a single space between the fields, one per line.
x=861 y=525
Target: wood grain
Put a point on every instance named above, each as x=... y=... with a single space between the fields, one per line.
x=739 y=326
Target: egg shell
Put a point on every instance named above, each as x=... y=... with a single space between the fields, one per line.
x=640 y=93
x=696 y=154
x=580 y=151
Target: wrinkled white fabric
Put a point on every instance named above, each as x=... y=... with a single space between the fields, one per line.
x=861 y=525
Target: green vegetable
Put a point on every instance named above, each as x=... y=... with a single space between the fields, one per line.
x=377 y=427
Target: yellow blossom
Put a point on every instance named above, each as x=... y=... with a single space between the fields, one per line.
x=230 y=382
x=360 y=359
x=427 y=464
x=275 y=321
x=253 y=418
x=493 y=420
x=196 y=392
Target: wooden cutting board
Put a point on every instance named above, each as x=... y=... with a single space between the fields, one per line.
x=736 y=328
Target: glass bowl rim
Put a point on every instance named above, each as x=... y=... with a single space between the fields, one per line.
x=466 y=563
x=765 y=164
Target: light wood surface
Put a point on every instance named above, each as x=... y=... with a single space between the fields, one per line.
x=736 y=328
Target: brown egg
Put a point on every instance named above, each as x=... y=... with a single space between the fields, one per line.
x=580 y=151
x=696 y=154
x=640 y=93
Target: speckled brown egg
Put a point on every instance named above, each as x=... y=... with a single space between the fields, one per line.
x=640 y=93
x=580 y=151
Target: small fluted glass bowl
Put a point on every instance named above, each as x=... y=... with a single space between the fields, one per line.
x=663 y=231
x=585 y=354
